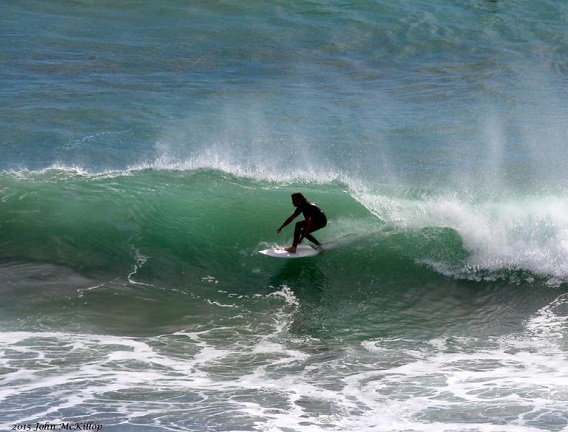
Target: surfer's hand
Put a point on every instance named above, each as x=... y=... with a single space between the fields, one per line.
x=279 y=230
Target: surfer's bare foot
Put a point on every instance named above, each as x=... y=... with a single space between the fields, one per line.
x=290 y=249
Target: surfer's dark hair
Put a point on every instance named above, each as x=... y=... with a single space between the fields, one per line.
x=298 y=196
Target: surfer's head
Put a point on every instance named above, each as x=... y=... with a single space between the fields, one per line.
x=298 y=198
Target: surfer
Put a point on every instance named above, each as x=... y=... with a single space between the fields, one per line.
x=314 y=220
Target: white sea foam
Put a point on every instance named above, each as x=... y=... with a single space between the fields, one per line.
x=262 y=377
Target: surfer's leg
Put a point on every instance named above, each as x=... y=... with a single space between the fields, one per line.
x=315 y=227
x=298 y=232
x=312 y=239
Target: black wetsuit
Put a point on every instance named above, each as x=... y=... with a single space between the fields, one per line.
x=312 y=211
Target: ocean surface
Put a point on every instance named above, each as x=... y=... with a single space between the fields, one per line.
x=148 y=150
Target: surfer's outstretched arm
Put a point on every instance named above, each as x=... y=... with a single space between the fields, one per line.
x=286 y=222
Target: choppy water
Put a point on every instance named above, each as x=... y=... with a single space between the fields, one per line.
x=149 y=150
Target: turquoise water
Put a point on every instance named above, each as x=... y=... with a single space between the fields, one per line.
x=148 y=151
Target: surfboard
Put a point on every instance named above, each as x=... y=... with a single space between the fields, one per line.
x=301 y=252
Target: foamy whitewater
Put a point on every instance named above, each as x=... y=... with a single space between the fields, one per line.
x=149 y=150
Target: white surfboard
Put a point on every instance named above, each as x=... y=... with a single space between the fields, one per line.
x=301 y=252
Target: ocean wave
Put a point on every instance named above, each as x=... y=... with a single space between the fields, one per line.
x=209 y=218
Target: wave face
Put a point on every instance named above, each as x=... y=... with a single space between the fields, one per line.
x=168 y=220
